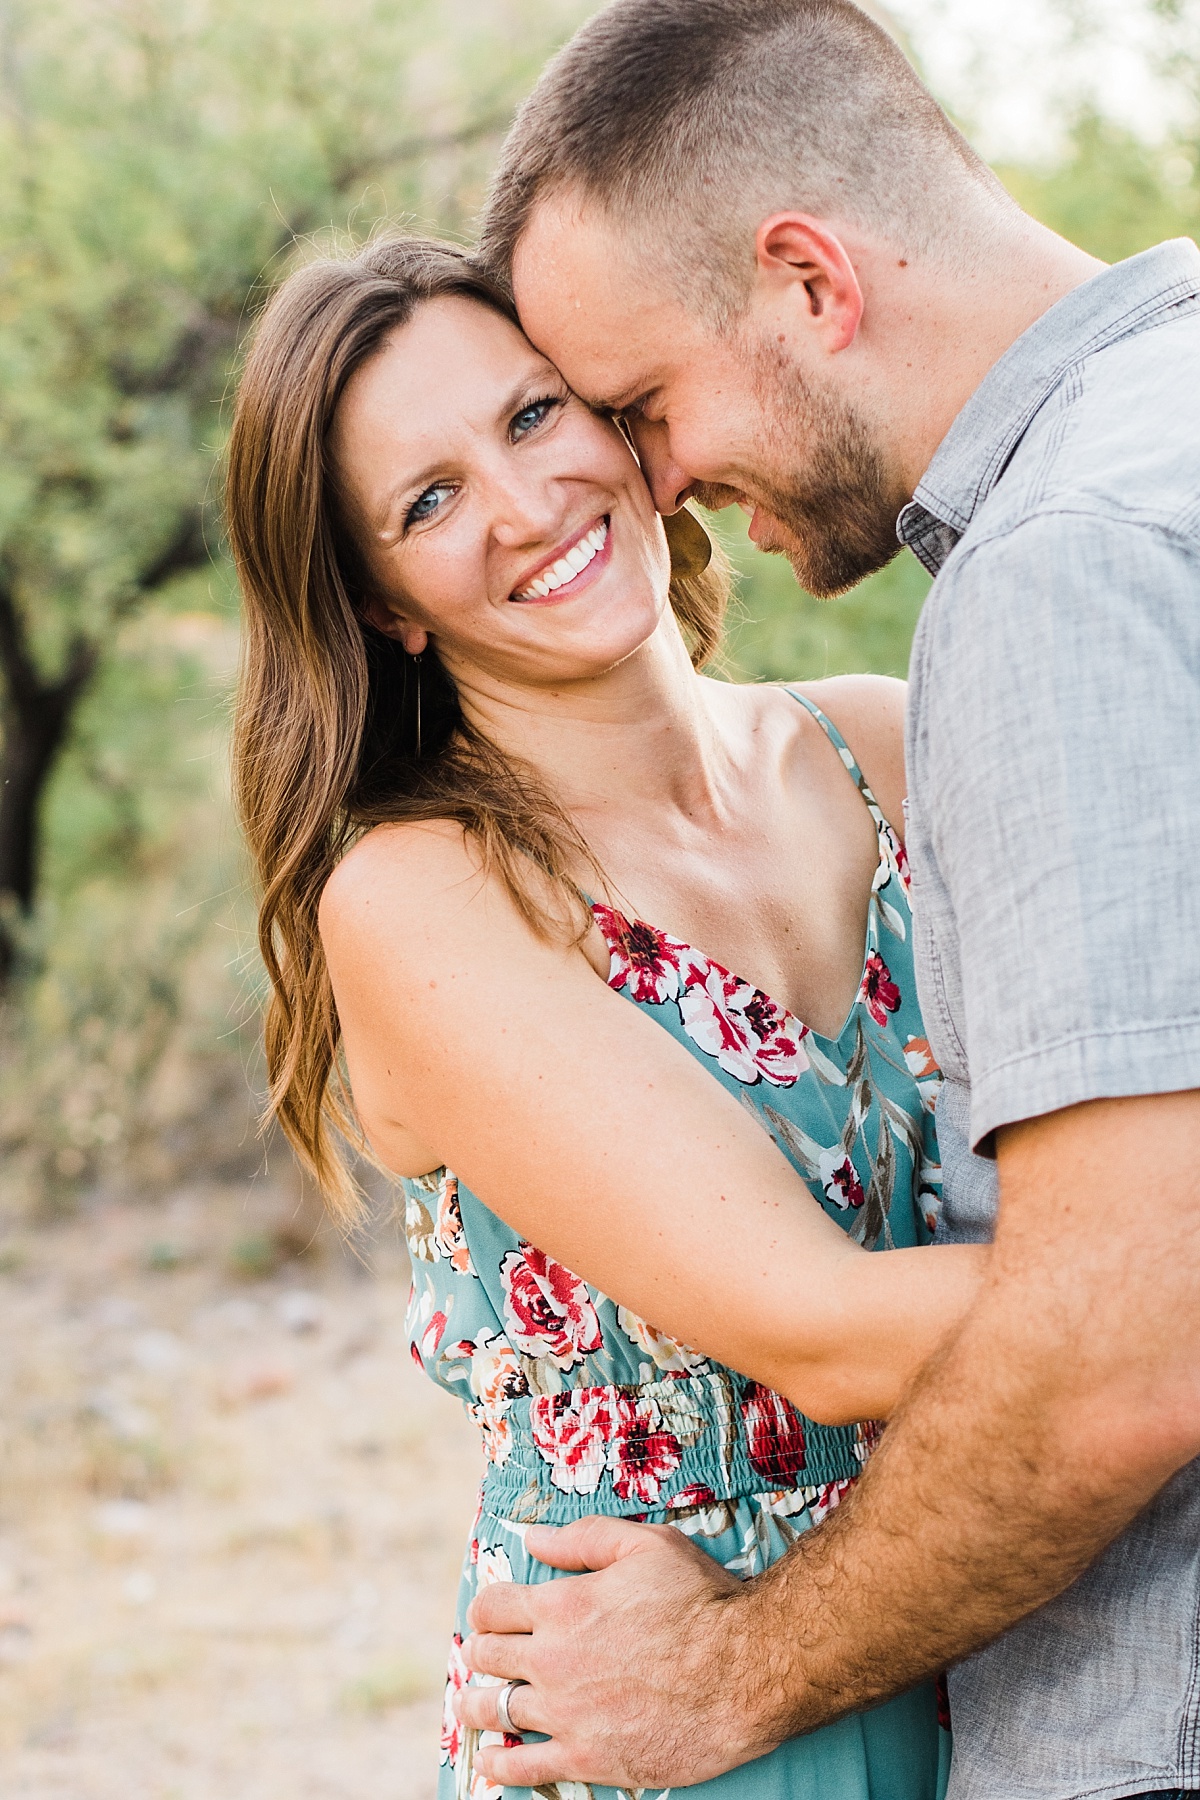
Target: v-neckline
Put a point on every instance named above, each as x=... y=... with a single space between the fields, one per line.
x=713 y=962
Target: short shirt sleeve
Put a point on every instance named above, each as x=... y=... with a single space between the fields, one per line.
x=1060 y=759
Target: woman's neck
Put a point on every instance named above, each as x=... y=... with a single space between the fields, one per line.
x=649 y=735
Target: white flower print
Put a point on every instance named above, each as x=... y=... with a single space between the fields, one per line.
x=549 y=1312
x=839 y=1178
x=751 y=1038
x=572 y=1433
x=494 y=1566
x=673 y=1358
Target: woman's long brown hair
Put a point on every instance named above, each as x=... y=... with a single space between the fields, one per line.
x=337 y=728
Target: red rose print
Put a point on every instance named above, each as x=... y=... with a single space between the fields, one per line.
x=746 y=1032
x=696 y=1495
x=431 y=1337
x=642 y=959
x=457 y=1677
x=641 y=1455
x=572 y=1433
x=549 y=1311
x=839 y=1178
x=751 y=1038
x=879 y=991
x=774 y=1434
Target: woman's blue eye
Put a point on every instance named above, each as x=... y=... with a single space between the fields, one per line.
x=527 y=420
x=531 y=416
x=426 y=504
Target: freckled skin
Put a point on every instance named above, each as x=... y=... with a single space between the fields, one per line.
x=434 y=412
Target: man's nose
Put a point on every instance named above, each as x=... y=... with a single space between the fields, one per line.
x=668 y=483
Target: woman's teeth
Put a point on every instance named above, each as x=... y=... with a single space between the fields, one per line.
x=567 y=567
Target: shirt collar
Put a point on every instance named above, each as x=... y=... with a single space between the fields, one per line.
x=975 y=451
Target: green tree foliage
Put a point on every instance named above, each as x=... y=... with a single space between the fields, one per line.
x=780 y=633
x=1113 y=194
x=161 y=161
x=158 y=160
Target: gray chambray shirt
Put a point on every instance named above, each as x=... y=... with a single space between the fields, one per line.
x=1054 y=834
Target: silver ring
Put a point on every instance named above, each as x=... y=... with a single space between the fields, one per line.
x=502 y=1712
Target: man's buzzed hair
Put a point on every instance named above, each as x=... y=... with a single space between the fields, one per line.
x=699 y=118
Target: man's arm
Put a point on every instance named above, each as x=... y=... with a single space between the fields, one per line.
x=1069 y=1396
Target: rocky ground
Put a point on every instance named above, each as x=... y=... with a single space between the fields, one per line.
x=231 y=1511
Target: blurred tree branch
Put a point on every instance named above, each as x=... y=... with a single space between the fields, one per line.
x=37 y=713
x=38 y=709
x=159 y=167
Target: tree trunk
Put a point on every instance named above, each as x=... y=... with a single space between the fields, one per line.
x=37 y=714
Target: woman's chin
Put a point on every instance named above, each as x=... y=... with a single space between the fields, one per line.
x=573 y=665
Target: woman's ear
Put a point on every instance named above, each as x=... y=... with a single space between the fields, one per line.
x=379 y=612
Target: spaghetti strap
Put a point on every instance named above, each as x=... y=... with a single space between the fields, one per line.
x=844 y=751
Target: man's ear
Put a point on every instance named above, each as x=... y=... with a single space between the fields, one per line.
x=379 y=612
x=805 y=266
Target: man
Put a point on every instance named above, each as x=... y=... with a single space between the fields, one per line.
x=744 y=226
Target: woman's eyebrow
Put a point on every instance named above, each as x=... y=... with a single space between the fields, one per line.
x=420 y=478
x=400 y=492
x=382 y=515
x=522 y=390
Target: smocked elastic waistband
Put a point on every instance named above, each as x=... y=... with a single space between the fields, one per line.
x=673 y=1443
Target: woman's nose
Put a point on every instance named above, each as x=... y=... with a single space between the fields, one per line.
x=525 y=512
x=668 y=483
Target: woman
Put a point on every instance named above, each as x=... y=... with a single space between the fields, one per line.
x=495 y=808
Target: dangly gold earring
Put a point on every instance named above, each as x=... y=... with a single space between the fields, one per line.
x=689 y=543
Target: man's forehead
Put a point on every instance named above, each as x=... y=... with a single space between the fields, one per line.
x=589 y=304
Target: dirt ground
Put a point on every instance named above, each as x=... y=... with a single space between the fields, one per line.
x=231 y=1512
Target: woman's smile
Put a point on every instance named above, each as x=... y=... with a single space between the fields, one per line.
x=565 y=571
x=487 y=496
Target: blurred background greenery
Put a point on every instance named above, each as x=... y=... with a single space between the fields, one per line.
x=163 y=163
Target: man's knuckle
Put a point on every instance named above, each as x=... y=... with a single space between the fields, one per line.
x=481 y=1609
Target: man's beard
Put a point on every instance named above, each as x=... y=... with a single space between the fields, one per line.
x=839 y=518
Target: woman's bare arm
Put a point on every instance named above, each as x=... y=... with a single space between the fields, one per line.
x=595 y=1135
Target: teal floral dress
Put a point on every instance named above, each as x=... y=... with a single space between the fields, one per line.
x=585 y=1408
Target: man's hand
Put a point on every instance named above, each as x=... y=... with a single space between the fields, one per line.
x=1067 y=1399
x=630 y=1668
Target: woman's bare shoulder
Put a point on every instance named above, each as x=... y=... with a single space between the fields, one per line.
x=398 y=871
x=868 y=710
